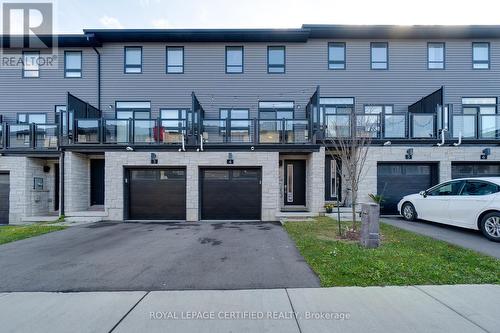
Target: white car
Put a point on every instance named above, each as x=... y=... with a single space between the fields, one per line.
x=472 y=203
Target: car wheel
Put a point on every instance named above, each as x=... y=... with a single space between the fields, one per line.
x=408 y=212
x=490 y=226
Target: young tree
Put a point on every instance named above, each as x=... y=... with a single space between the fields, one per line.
x=348 y=138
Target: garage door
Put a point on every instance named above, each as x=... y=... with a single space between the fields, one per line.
x=156 y=194
x=464 y=170
x=395 y=180
x=4 y=198
x=230 y=194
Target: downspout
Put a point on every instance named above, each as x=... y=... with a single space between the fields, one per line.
x=61 y=186
x=98 y=77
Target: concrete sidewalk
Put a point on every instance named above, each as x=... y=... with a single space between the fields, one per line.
x=459 y=308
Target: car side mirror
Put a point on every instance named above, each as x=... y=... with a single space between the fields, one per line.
x=423 y=193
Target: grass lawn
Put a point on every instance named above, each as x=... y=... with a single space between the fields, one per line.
x=11 y=233
x=404 y=258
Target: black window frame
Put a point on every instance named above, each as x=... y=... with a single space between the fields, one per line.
x=126 y=66
x=27 y=114
x=479 y=62
x=133 y=110
x=242 y=59
x=429 y=61
x=71 y=70
x=276 y=110
x=167 y=66
x=374 y=44
x=333 y=62
x=24 y=70
x=269 y=48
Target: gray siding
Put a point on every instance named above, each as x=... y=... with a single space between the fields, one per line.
x=18 y=94
x=406 y=81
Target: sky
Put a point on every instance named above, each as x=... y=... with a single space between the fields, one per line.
x=74 y=15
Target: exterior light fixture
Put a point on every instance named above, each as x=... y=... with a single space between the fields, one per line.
x=486 y=153
x=154 y=158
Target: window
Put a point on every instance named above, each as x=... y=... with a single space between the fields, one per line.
x=73 y=64
x=133 y=60
x=31 y=68
x=479 y=188
x=239 y=130
x=134 y=110
x=234 y=59
x=30 y=118
x=276 y=110
x=333 y=178
x=478 y=118
x=276 y=59
x=435 y=56
x=175 y=59
x=450 y=188
x=481 y=55
x=379 y=56
x=336 y=55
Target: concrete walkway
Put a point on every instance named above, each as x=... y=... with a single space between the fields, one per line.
x=459 y=308
x=469 y=239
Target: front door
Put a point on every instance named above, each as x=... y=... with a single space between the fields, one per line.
x=96 y=182
x=295 y=183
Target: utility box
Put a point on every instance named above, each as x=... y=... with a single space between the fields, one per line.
x=370 y=225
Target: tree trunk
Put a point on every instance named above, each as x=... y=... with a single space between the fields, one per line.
x=353 y=208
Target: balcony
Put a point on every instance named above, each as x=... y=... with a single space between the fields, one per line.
x=129 y=131
x=374 y=126
x=482 y=127
x=29 y=136
x=253 y=131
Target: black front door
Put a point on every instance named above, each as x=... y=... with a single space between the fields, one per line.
x=96 y=182
x=295 y=183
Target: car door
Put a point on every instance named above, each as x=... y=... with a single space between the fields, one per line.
x=433 y=205
x=474 y=197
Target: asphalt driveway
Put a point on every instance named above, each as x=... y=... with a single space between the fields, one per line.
x=109 y=256
x=470 y=239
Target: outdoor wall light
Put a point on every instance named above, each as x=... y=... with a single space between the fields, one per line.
x=409 y=154
x=486 y=153
x=128 y=148
x=387 y=143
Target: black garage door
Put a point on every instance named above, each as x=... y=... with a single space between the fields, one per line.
x=156 y=194
x=464 y=170
x=4 y=198
x=395 y=180
x=230 y=194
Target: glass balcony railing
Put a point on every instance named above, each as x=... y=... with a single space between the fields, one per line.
x=368 y=125
x=271 y=131
x=227 y=131
x=172 y=131
x=395 y=126
x=489 y=126
x=464 y=126
x=297 y=131
x=338 y=125
x=46 y=136
x=423 y=126
x=87 y=130
x=145 y=131
x=19 y=136
x=116 y=131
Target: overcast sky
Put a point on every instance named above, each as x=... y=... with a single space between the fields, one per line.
x=74 y=15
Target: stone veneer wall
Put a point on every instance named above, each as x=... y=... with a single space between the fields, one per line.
x=114 y=173
x=442 y=155
x=76 y=182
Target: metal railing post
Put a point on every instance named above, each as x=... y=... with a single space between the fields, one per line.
x=228 y=130
x=255 y=131
x=283 y=132
x=32 y=135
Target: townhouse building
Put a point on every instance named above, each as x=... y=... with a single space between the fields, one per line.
x=238 y=124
